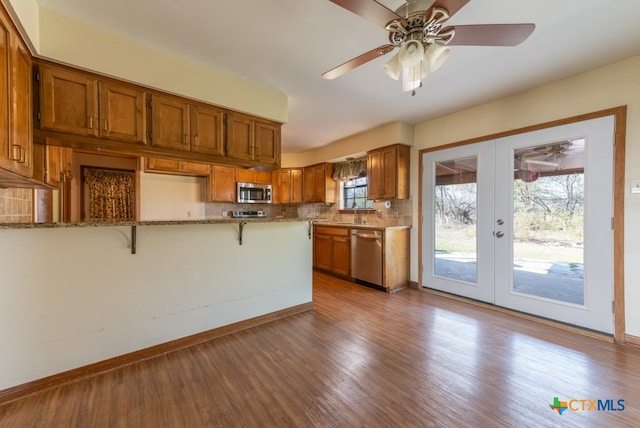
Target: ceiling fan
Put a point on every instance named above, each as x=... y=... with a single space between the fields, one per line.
x=417 y=29
x=529 y=162
x=551 y=155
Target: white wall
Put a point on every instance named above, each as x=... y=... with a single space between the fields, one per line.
x=73 y=296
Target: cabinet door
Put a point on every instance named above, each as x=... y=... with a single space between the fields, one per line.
x=197 y=169
x=296 y=186
x=51 y=164
x=6 y=152
x=122 y=113
x=341 y=256
x=245 y=175
x=170 y=123
x=307 y=185
x=21 y=117
x=390 y=174
x=375 y=175
x=222 y=184
x=207 y=130
x=322 y=252
x=267 y=142
x=282 y=186
x=162 y=165
x=318 y=183
x=239 y=137
x=69 y=102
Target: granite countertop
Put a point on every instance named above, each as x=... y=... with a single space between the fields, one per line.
x=216 y=220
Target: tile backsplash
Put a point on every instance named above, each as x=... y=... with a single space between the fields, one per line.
x=16 y=205
x=399 y=213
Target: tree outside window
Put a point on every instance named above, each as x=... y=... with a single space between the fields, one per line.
x=355 y=194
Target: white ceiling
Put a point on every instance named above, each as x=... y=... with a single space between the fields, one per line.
x=287 y=44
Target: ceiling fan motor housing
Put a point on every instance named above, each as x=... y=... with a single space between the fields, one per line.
x=416 y=25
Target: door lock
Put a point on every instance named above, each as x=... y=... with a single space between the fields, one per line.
x=499 y=234
x=500 y=222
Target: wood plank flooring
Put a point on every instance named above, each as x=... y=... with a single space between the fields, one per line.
x=361 y=358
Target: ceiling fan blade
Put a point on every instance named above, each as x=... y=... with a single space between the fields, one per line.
x=357 y=61
x=370 y=10
x=452 y=6
x=490 y=34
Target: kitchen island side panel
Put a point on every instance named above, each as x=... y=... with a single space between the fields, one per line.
x=70 y=297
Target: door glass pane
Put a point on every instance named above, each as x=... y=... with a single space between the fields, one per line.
x=455 y=199
x=548 y=221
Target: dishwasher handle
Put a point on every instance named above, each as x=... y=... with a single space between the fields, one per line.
x=367 y=235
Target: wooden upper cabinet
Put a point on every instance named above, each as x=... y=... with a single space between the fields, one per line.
x=287 y=183
x=184 y=126
x=171 y=119
x=176 y=167
x=253 y=176
x=78 y=103
x=254 y=140
x=296 y=186
x=122 y=113
x=319 y=184
x=222 y=184
x=207 y=130
x=16 y=139
x=240 y=137
x=52 y=164
x=267 y=142
x=69 y=101
x=73 y=101
x=388 y=172
x=22 y=119
x=6 y=156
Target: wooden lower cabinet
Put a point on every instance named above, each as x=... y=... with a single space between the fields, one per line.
x=332 y=250
x=332 y=253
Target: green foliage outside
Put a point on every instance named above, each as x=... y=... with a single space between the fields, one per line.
x=548 y=218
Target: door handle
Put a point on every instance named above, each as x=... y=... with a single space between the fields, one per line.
x=498 y=234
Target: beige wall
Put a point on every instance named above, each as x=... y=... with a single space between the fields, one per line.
x=70 y=41
x=355 y=145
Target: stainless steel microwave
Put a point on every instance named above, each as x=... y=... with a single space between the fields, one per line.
x=254 y=193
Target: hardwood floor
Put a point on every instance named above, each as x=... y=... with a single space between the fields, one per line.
x=361 y=358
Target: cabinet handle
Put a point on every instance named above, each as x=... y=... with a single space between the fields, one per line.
x=21 y=157
x=196 y=141
x=185 y=140
x=106 y=125
x=15 y=148
x=90 y=122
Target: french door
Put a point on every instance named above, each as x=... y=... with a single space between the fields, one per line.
x=524 y=222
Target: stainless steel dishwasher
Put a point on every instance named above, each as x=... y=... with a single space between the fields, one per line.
x=366 y=255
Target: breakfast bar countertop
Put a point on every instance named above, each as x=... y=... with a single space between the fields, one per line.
x=117 y=223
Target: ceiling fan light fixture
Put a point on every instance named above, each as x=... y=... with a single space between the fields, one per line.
x=412 y=76
x=436 y=55
x=411 y=53
x=393 y=67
